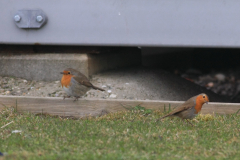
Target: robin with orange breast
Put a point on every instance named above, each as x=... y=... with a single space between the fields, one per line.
x=190 y=108
x=76 y=84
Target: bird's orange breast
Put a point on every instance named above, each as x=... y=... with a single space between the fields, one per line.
x=199 y=104
x=66 y=80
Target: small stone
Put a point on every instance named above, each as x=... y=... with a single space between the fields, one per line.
x=6 y=86
x=210 y=84
x=25 y=81
x=113 y=96
x=220 y=77
x=13 y=93
x=104 y=86
x=109 y=91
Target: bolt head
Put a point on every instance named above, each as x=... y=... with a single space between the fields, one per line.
x=17 y=18
x=39 y=18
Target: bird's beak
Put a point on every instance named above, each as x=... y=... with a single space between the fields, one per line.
x=61 y=72
x=206 y=102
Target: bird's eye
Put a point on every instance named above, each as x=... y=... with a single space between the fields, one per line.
x=69 y=72
x=203 y=96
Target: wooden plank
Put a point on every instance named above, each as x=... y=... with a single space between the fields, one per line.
x=95 y=107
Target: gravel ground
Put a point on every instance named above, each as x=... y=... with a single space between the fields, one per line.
x=21 y=87
x=135 y=84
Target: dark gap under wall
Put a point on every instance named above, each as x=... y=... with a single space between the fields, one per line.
x=217 y=69
x=205 y=59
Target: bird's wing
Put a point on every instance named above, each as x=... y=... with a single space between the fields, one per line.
x=185 y=106
x=83 y=81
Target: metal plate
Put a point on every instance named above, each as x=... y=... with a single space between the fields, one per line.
x=30 y=18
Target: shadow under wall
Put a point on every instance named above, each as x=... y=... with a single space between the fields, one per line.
x=204 y=59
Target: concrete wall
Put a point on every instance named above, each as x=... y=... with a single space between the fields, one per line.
x=47 y=66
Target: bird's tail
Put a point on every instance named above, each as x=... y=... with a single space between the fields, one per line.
x=164 y=117
x=94 y=87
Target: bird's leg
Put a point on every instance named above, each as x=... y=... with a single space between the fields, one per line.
x=76 y=98
x=66 y=97
x=183 y=121
x=189 y=122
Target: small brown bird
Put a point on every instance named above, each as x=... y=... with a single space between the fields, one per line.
x=76 y=84
x=190 y=108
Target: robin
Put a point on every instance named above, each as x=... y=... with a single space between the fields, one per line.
x=75 y=83
x=190 y=108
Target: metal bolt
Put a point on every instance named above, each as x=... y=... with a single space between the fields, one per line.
x=39 y=18
x=17 y=18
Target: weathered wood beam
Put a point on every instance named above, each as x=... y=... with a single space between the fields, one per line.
x=95 y=107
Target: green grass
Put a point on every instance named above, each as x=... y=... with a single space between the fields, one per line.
x=133 y=134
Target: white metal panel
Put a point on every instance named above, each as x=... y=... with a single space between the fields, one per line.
x=214 y=23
